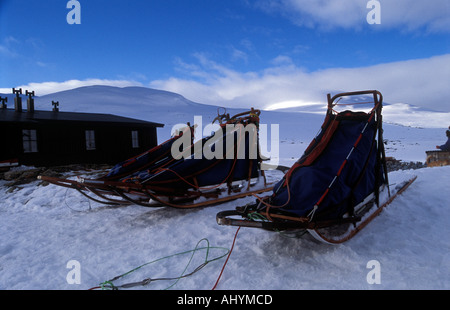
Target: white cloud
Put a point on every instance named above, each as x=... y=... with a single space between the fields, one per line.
x=45 y=88
x=433 y=15
x=406 y=15
x=282 y=60
x=6 y=49
x=421 y=82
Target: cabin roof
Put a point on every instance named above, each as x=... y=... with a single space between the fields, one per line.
x=37 y=116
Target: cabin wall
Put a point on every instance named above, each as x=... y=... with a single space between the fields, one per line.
x=65 y=143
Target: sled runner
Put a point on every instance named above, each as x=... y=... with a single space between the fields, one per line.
x=182 y=174
x=339 y=184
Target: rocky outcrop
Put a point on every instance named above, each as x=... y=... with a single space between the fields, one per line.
x=23 y=175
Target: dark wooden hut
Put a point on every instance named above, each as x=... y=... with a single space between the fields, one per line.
x=53 y=138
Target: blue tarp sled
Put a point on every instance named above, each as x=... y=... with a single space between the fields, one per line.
x=341 y=175
x=176 y=174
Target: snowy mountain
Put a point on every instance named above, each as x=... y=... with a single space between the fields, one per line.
x=44 y=229
x=393 y=113
x=135 y=102
x=410 y=131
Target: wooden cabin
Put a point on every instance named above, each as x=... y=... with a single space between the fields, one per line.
x=53 y=138
x=438 y=158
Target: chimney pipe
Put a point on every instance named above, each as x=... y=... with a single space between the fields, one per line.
x=55 y=106
x=30 y=100
x=3 y=101
x=18 y=99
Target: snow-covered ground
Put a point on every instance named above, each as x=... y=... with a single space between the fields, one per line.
x=43 y=228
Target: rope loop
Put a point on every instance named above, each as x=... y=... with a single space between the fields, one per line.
x=109 y=285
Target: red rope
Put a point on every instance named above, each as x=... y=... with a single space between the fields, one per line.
x=226 y=261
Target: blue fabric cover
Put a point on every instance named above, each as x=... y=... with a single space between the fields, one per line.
x=307 y=184
x=151 y=159
x=206 y=171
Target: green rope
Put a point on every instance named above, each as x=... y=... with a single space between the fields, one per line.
x=254 y=216
x=109 y=285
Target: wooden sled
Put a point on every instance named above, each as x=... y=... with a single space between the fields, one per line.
x=339 y=184
x=157 y=178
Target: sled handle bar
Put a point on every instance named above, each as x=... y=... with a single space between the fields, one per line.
x=226 y=117
x=253 y=111
x=377 y=97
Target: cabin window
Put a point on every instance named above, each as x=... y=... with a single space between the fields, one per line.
x=29 y=138
x=90 y=140
x=135 y=139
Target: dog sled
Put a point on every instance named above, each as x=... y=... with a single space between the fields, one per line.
x=177 y=173
x=340 y=183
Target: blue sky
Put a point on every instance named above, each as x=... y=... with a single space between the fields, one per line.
x=230 y=52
